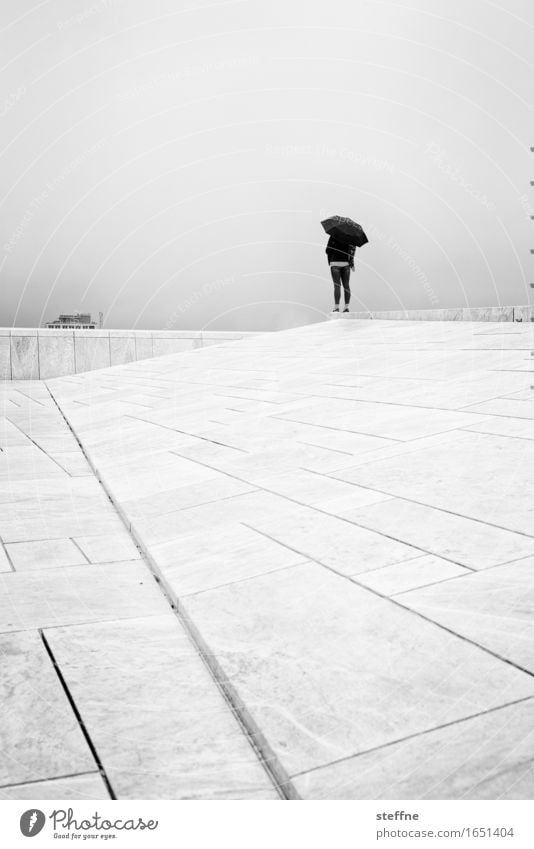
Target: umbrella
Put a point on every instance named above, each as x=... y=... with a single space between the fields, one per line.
x=345 y=229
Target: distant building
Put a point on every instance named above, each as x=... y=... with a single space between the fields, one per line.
x=78 y=321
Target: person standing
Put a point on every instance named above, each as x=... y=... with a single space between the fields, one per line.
x=340 y=255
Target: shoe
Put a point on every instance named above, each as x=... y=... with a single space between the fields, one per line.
x=336 y=309
x=346 y=309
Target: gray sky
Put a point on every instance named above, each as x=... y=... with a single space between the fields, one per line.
x=168 y=162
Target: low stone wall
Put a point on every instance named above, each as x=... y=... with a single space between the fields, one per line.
x=37 y=354
x=522 y=313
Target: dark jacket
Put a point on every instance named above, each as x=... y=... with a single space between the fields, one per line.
x=338 y=251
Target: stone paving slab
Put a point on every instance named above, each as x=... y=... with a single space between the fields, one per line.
x=478 y=476
x=44 y=553
x=106 y=548
x=488 y=757
x=71 y=787
x=39 y=734
x=5 y=564
x=221 y=555
x=402 y=577
x=60 y=596
x=493 y=608
x=475 y=545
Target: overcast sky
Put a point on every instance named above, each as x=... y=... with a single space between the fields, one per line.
x=169 y=162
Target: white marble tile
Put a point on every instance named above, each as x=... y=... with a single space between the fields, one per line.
x=178 y=739
x=213 y=557
x=190 y=495
x=5 y=565
x=479 y=476
x=58 y=443
x=337 y=544
x=73 y=787
x=73 y=462
x=389 y=421
x=375 y=674
x=39 y=734
x=73 y=594
x=154 y=474
x=55 y=508
x=506 y=407
x=27 y=463
x=44 y=554
x=487 y=757
x=11 y=436
x=420 y=572
x=472 y=544
x=305 y=486
x=345 y=506
x=109 y=547
x=502 y=426
x=495 y=609
x=239 y=508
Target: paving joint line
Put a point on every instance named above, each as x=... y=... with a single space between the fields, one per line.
x=248 y=577
x=414 y=736
x=40 y=448
x=504 y=435
x=29 y=397
x=422 y=504
x=77 y=714
x=84 y=555
x=7 y=554
x=341 y=429
x=184 y=432
x=49 y=778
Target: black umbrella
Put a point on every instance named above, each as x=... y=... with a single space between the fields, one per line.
x=345 y=229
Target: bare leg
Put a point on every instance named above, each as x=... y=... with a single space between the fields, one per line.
x=345 y=278
x=335 y=270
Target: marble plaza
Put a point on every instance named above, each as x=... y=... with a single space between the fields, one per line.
x=295 y=566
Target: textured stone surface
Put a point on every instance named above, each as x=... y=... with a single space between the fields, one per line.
x=39 y=735
x=56 y=354
x=5 y=358
x=50 y=596
x=24 y=357
x=468 y=543
x=122 y=350
x=44 y=554
x=375 y=675
x=91 y=352
x=36 y=353
x=178 y=738
x=494 y=609
x=73 y=787
x=488 y=757
x=401 y=577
